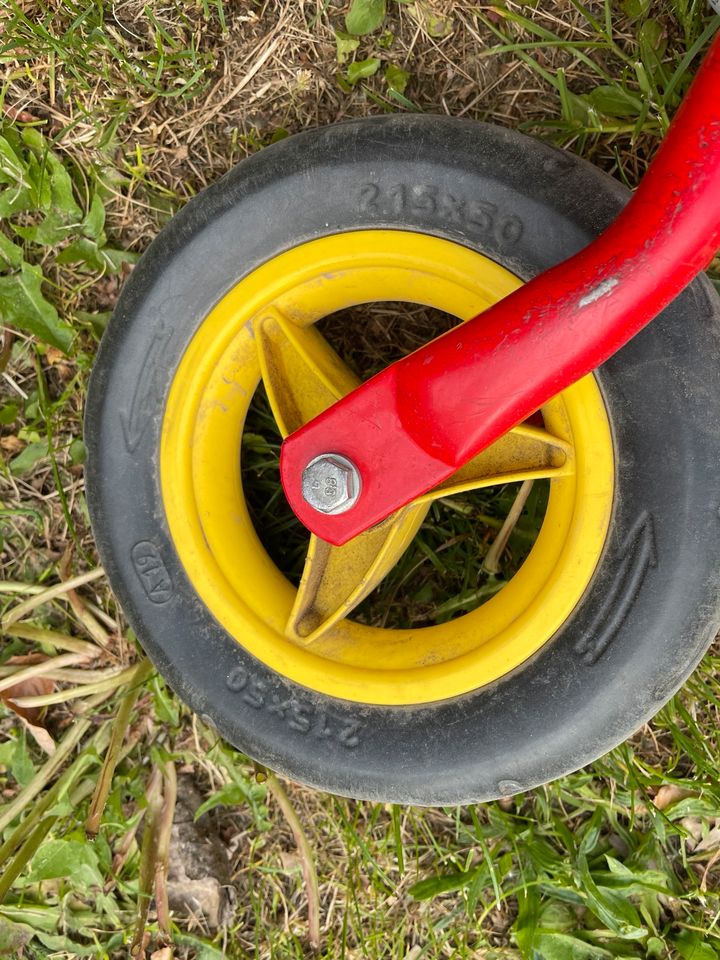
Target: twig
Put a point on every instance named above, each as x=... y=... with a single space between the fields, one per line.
x=17 y=586
x=167 y=815
x=6 y=341
x=306 y=858
x=96 y=631
x=120 y=725
x=148 y=855
x=76 y=732
x=122 y=850
x=491 y=564
x=105 y=618
x=711 y=863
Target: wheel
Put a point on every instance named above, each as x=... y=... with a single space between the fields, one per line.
x=617 y=599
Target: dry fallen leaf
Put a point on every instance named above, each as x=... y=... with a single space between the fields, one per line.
x=669 y=793
x=694 y=827
x=22 y=116
x=53 y=356
x=59 y=361
x=164 y=953
x=41 y=737
x=711 y=841
x=11 y=445
x=26 y=659
x=32 y=687
x=432 y=21
x=290 y=861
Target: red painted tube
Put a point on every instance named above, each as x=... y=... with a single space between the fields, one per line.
x=414 y=424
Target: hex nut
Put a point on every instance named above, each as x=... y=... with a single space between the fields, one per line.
x=331 y=483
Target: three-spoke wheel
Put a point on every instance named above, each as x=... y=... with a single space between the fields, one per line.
x=616 y=600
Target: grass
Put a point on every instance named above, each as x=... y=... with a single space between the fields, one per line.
x=112 y=116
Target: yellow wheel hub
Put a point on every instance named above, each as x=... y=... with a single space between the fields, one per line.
x=263 y=328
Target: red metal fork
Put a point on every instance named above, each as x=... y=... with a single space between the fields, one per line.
x=418 y=421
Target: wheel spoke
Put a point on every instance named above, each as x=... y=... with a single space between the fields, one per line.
x=304 y=376
x=525 y=453
x=337 y=579
x=302 y=373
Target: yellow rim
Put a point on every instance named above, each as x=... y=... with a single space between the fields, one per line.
x=214 y=536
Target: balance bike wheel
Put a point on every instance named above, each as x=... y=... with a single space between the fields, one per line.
x=618 y=598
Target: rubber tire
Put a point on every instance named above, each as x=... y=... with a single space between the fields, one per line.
x=651 y=609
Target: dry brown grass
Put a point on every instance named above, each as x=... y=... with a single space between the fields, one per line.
x=274 y=70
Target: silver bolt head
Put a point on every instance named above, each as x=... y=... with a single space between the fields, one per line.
x=331 y=483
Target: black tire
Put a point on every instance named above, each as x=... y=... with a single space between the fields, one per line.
x=651 y=609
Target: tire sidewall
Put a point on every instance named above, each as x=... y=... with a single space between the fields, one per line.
x=651 y=608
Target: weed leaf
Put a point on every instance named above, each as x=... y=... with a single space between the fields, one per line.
x=21 y=766
x=691 y=946
x=364 y=16
x=613 y=101
x=635 y=8
x=61 y=189
x=561 y=946
x=95 y=220
x=66 y=858
x=230 y=795
x=11 y=255
x=8 y=413
x=345 y=46
x=205 y=950
x=653 y=42
x=362 y=69
x=90 y=252
x=443 y=883
x=25 y=461
x=51 y=230
x=527 y=920
x=396 y=78
x=166 y=706
x=11 y=168
x=617 y=913
x=14 y=200
x=13 y=938
x=436 y=24
x=22 y=305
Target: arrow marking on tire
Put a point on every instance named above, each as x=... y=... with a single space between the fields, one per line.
x=137 y=421
x=637 y=553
